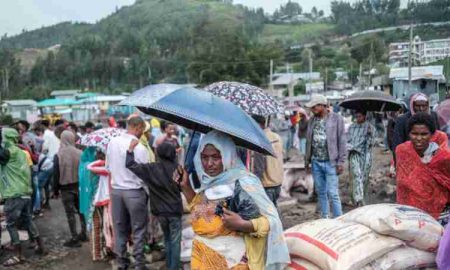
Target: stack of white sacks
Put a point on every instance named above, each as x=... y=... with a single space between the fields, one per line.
x=373 y=237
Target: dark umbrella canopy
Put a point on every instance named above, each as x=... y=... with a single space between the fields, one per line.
x=249 y=98
x=374 y=101
x=202 y=111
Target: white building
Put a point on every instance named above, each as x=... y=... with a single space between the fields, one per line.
x=423 y=52
x=65 y=94
x=20 y=109
x=425 y=79
x=287 y=81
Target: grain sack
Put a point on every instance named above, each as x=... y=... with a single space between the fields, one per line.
x=412 y=225
x=300 y=264
x=299 y=179
x=337 y=245
x=404 y=258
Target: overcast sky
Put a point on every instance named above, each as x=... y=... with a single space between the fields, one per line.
x=16 y=15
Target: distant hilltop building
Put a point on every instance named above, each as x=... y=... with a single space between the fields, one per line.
x=423 y=52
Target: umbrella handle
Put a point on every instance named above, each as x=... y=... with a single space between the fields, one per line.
x=382 y=107
x=190 y=144
x=195 y=181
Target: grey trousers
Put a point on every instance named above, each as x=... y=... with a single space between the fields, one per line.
x=19 y=210
x=130 y=216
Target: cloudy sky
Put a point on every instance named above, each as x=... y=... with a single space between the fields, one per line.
x=16 y=15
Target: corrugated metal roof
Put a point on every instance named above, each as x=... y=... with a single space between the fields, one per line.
x=287 y=78
x=417 y=73
x=64 y=92
x=58 y=102
x=20 y=102
x=104 y=98
x=87 y=95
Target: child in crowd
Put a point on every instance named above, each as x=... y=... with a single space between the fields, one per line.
x=165 y=197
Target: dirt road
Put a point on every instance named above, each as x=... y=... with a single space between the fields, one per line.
x=54 y=229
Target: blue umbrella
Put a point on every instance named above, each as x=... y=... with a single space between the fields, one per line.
x=202 y=111
x=150 y=94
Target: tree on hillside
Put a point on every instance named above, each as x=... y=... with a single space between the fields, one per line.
x=289 y=10
x=314 y=12
x=370 y=47
x=9 y=72
x=364 y=14
x=305 y=55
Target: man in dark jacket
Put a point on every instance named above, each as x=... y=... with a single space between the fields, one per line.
x=418 y=103
x=165 y=197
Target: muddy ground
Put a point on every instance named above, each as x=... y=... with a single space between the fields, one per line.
x=54 y=230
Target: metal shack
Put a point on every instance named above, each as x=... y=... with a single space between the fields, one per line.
x=425 y=79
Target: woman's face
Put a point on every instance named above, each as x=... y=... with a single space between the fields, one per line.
x=420 y=137
x=211 y=160
x=420 y=106
x=100 y=155
x=360 y=118
x=171 y=130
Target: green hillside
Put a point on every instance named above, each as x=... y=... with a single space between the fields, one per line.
x=152 y=18
x=291 y=33
x=46 y=36
x=150 y=41
x=198 y=41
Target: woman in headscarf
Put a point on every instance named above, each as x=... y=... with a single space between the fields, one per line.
x=235 y=223
x=100 y=217
x=66 y=164
x=88 y=183
x=419 y=102
x=423 y=170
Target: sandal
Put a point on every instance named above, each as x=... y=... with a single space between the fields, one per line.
x=13 y=261
x=9 y=247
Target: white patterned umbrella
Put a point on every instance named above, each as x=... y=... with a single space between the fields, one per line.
x=249 y=98
x=101 y=138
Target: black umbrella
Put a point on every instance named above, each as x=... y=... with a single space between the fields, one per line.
x=374 y=101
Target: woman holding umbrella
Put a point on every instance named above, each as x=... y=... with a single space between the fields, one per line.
x=252 y=227
x=235 y=223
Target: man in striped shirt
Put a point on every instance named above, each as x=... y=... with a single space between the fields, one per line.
x=361 y=139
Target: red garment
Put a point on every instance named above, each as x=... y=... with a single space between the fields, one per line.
x=112 y=122
x=295 y=119
x=440 y=138
x=425 y=186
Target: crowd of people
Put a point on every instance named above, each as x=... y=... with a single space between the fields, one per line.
x=120 y=194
